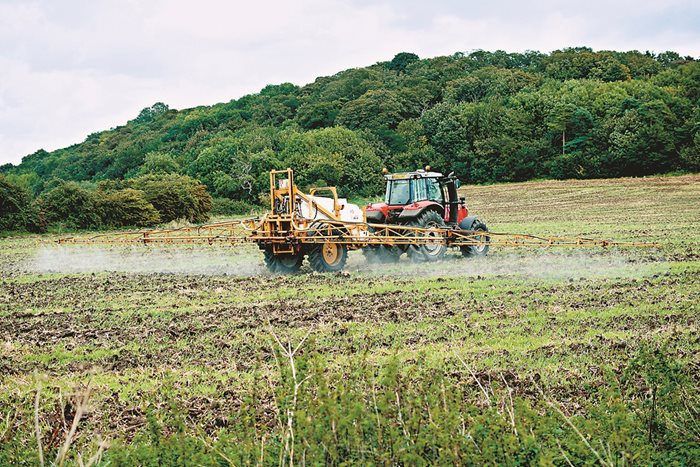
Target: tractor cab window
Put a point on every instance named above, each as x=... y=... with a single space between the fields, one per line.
x=434 y=189
x=420 y=191
x=426 y=189
x=398 y=192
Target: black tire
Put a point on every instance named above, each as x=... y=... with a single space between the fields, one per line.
x=428 y=252
x=376 y=254
x=327 y=256
x=382 y=254
x=285 y=263
x=477 y=250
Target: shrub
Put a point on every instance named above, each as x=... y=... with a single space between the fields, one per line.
x=71 y=204
x=231 y=207
x=176 y=196
x=690 y=155
x=126 y=208
x=14 y=202
x=159 y=163
x=35 y=219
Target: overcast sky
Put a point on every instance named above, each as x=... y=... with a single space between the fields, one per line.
x=72 y=67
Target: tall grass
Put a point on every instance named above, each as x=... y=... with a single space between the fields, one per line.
x=308 y=413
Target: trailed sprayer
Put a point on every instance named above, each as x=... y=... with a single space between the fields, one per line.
x=422 y=215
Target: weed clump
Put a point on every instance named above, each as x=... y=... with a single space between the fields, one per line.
x=417 y=413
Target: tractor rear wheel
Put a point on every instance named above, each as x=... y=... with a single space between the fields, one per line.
x=430 y=251
x=376 y=254
x=328 y=256
x=286 y=263
x=481 y=249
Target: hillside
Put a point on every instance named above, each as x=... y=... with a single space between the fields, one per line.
x=487 y=116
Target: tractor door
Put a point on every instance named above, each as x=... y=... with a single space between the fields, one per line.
x=434 y=189
x=451 y=199
x=436 y=192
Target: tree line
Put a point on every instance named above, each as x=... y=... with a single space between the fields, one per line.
x=138 y=202
x=487 y=116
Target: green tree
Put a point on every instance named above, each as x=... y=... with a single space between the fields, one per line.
x=669 y=58
x=487 y=115
x=685 y=78
x=451 y=131
x=322 y=114
x=126 y=207
x=639 y=141
x=175 y=196
x=335 y=156
x=690 y=155
x=417 y=152
x=14 y=203
x=373 y=110
x=261 y=164
x=488 y=82
x=70 y=204
x=148 y=114
x=350 y=84
x=159 y=163
x=401 y=61
x=559 y=120
x=610 y=69
x=218 y=156
x=415 y=99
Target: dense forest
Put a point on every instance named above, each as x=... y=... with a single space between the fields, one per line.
x=487 y=116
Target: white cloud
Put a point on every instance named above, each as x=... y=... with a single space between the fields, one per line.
x=74 y=67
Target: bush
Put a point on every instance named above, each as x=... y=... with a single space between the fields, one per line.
x=35 y=219
x=71 y=204
x=14 y=203
x=126 y=208
x=176 y=196
x=117 y=203
x=159 y=163
x=690 y=155
x=231 y=207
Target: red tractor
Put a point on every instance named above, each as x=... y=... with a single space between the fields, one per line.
x=422 y=199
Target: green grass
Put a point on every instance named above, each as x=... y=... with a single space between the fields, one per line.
x=190 y=355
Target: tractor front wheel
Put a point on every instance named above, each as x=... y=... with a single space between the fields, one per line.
x=286 y=263
x=328 y=256
x=428 y=252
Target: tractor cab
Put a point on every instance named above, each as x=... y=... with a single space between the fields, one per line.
x=401 y=191
x=409 y=194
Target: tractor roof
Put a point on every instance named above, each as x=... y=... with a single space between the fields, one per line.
x=416 y=174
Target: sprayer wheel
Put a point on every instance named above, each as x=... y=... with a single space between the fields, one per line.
x=327 y=256
x=428 y=252
x=282 y=263
x=477 y=250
